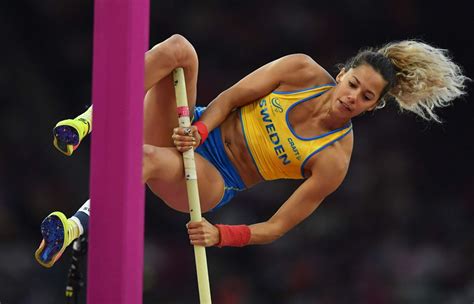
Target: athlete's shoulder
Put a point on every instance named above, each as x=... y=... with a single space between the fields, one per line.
x=303 y=70
x=334 y=160
x=329 y=168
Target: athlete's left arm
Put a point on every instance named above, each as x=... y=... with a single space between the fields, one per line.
x=328 y=172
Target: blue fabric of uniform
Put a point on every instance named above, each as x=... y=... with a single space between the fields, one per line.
x=213 y=150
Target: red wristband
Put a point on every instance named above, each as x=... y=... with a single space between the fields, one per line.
x=235 y=236
x=202 y=130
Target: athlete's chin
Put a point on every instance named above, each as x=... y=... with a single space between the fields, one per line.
x=345 y=114
x=357 y=114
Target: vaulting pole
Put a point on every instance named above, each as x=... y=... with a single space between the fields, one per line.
x=192 y=186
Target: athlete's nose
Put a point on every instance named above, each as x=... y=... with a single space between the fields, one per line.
x=350 y=99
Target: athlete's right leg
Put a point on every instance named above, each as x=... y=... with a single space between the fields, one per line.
x=159 y=120
x=160 y=116
x=68 y=133
x=166 y=179
x=159 y=105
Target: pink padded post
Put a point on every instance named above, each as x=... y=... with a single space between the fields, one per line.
x=116 y=231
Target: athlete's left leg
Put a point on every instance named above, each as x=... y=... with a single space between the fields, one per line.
x=163 y=171
x=159 y=120
x=59 y=232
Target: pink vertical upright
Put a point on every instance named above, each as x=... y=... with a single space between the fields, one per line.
x=116 y=231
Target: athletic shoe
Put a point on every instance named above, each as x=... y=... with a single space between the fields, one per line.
x=69 y=133
x=58 y=233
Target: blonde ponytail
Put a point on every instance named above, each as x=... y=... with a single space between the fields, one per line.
x=426 y=77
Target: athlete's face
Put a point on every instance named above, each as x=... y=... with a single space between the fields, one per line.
x=358 y=90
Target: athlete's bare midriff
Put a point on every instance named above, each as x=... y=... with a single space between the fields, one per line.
x=237 y=151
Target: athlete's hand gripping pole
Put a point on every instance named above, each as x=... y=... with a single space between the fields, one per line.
x=192 y=186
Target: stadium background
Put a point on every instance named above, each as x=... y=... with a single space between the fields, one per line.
x=399 y=230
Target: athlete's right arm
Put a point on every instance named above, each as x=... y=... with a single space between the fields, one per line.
x=296 y=70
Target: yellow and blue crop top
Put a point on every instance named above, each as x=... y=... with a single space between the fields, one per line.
x=278 y=152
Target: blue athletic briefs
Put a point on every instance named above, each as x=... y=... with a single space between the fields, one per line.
x=213 y=150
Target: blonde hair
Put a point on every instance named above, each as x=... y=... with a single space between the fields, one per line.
x=426 y=77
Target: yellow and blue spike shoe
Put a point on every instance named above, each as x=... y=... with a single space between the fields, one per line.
x=58 y=233
x=68 y=134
